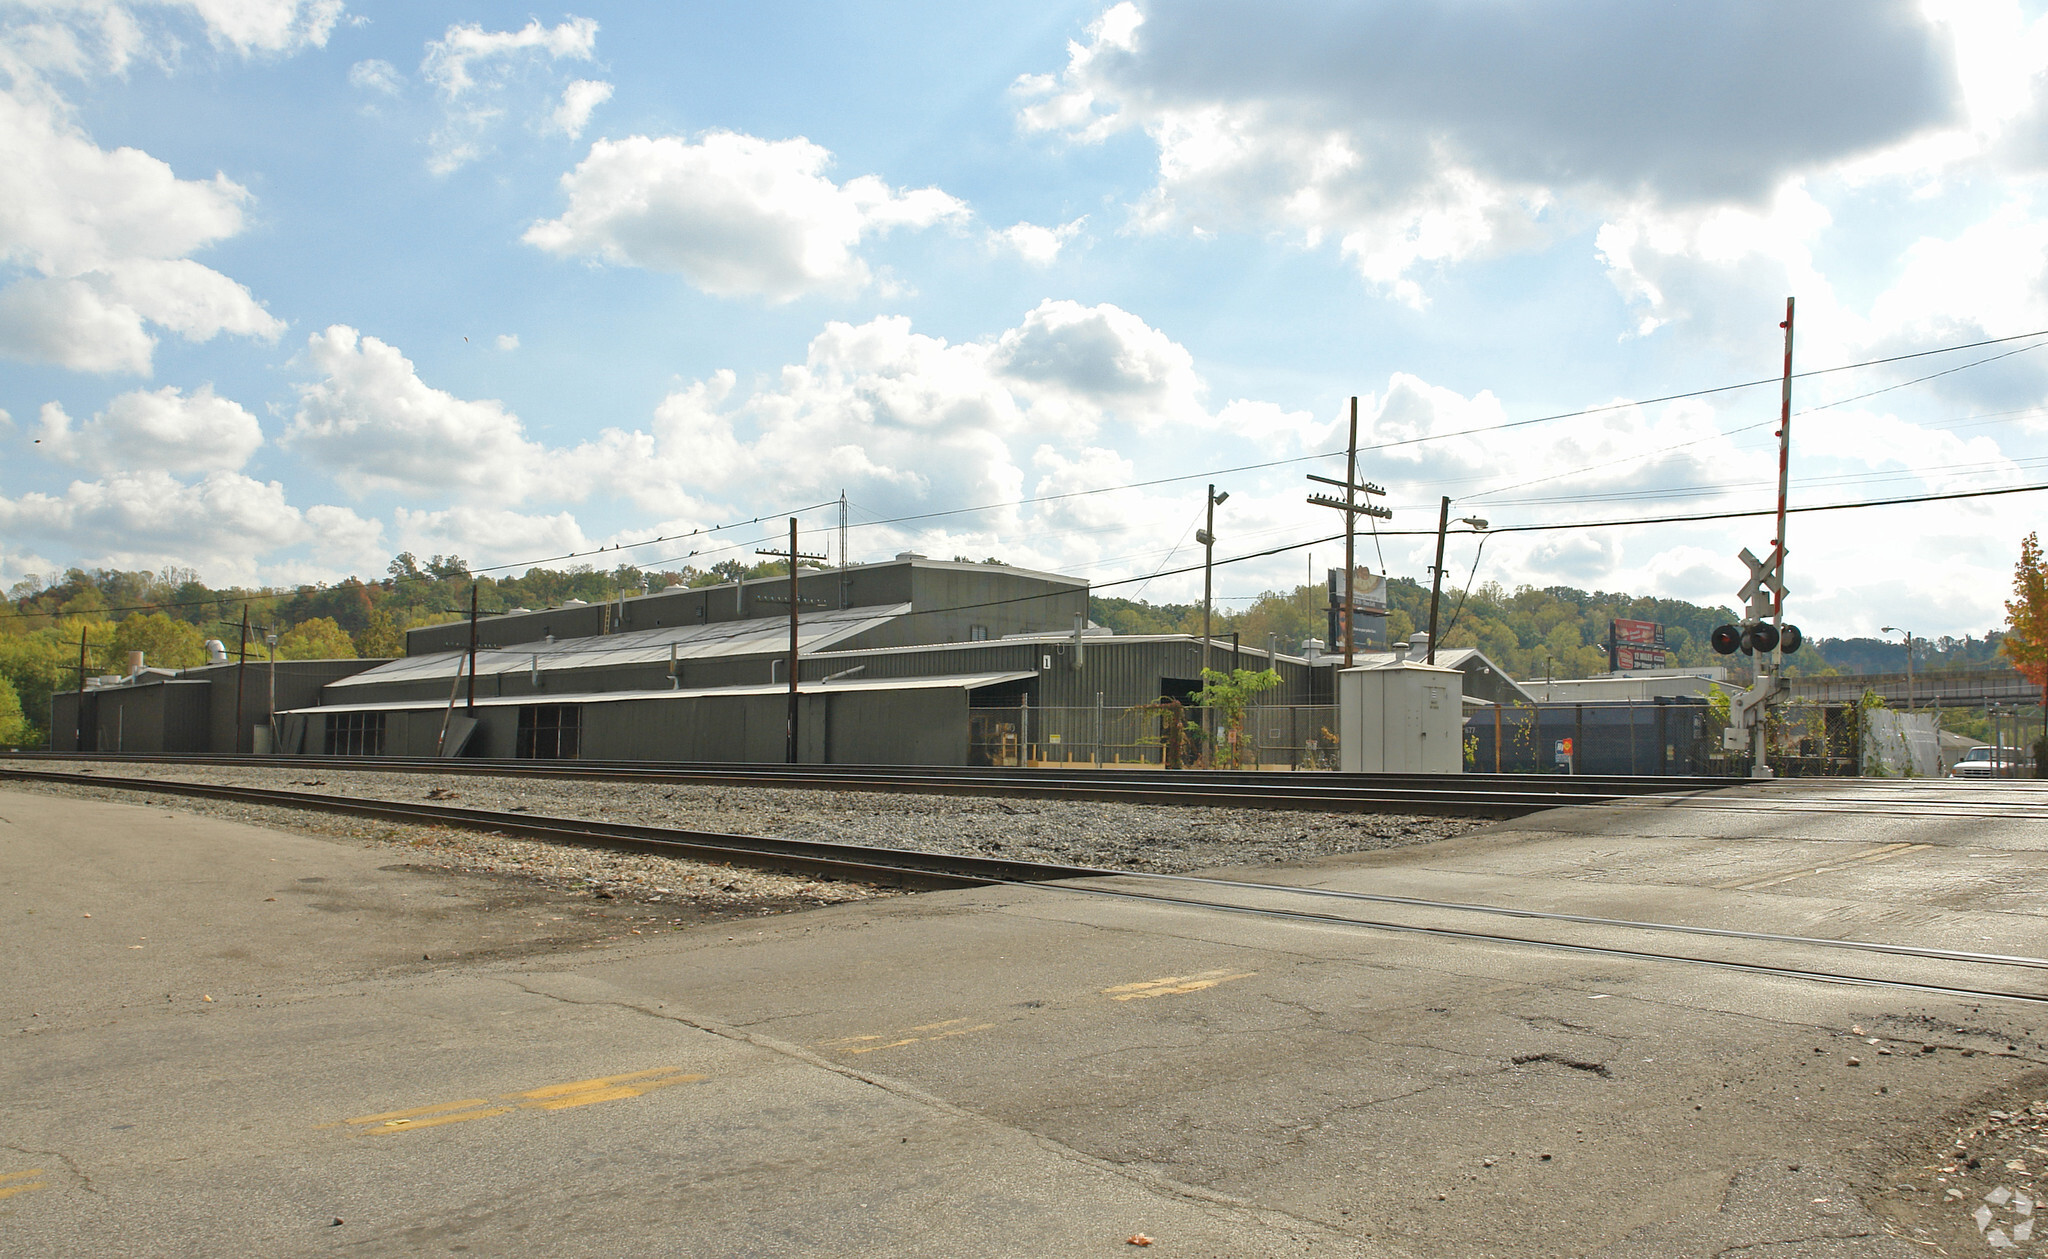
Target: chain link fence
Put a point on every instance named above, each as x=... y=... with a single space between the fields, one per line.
x=1158 y=736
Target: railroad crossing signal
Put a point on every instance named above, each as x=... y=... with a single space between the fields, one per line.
x=1757 y=635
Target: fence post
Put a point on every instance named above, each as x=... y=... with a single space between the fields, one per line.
x=1024 y=734
x=1098 y=729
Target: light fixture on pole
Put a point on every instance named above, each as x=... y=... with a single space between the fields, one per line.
x=1886 y=629
x=270 y=639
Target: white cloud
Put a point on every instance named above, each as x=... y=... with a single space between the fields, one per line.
x=269 y=25
x=1416 y=136
x=1033 y=243
x=77 y=37
x=372 y=423
x=220 y=524
x=578 y=100
x=484 y=535
x=376 y=75
x=168 y=429
x=104 y=235
x=473 y=69
x=1101 y=361
x=455 y=60
x=508 y=341
x=732 y=214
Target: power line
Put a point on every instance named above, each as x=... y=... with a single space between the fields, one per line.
x=1541 y=419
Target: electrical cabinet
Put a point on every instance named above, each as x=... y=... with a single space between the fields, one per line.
x=1402 y=718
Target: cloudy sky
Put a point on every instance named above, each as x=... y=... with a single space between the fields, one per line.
x=288 y=286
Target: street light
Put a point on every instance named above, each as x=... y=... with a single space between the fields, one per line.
x=270 y=638
x=1909 y=661
x=1436 y=580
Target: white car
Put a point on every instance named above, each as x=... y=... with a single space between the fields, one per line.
x=1990 y=762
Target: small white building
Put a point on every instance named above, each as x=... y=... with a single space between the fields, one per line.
x=1401 y=718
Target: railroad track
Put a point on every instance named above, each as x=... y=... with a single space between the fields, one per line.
x=917 y=868
x=1488 y=796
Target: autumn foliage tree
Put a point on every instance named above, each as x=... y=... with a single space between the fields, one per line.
x=2026 y=644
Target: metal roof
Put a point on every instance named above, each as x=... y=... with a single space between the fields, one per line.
x=957 y=681
x=752 y=637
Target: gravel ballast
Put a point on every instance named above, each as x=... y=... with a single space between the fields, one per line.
x=1163 y=838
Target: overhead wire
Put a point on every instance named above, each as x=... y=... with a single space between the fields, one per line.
x=486 y=569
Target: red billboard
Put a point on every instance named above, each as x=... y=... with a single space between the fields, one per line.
x=1636 y=645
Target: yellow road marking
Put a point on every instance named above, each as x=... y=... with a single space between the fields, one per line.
x=8 y=1191
x=1869 y=856
x=414 y=1125
x=1174 y=985
x=1167 y=986
x=912 y=1040
x=549 y=1097
x=603 y=1089
x=418 y=1111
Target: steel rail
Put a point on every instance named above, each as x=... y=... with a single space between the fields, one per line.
x=1499 y=797
x=924 y=868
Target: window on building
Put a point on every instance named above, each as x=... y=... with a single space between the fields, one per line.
x=355 y=734
x=977 y=633
x=550 y=732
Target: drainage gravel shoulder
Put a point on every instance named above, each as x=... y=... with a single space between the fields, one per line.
x=1165 y=838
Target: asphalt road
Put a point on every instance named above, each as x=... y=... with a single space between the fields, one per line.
x=220 y=1039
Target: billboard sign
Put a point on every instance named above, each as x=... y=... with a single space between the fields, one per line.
x=1368 y=593
x=1636 y=645
x=1369 y=610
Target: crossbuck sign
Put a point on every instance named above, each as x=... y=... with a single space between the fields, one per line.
x=1763 y=575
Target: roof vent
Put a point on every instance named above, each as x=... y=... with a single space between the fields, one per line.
x=575 y=603
x=910 y=555
x=216 y=651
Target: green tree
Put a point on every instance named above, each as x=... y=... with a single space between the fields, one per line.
x=317 y=639
x=14 y=727
x=381 y=638
x=2026 y=645
x=1229 y=694
x=163 y=642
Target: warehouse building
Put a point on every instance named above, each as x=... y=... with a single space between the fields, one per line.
x=914 y=661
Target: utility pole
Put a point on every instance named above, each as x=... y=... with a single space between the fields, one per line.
x=1436 y=579
x=78 y=744
x=270 y=640
x=471 y=706
x=241 y=673
x=1207 y=537
x=1352 y=509
x=793 y=555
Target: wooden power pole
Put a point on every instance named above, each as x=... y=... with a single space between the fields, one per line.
x=1353 y=506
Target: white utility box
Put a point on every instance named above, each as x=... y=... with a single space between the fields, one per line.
x=1401 y=718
